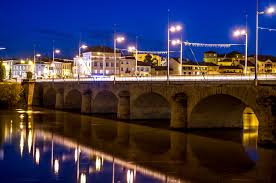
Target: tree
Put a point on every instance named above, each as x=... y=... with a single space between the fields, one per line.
x=10 y=74
x=149 y=59
x=2 y=72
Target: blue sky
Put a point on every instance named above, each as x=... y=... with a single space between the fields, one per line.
x=28 y=22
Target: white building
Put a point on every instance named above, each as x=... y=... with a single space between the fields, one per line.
x=42 y=70
x=20 y=69
x=95 y=63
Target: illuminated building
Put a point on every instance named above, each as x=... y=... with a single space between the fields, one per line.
x=211 y=57
x=20 y=69
x=230 y=70
x=142 y=57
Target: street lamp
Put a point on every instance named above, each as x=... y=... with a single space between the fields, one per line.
x=173 y=29
x=179 y=42
x=132 y=49
x=269 y=10
x=36 y=55
x=239 y=33
x=118 y=39
x=55 y=51
x=2 y=48
x=82 y=47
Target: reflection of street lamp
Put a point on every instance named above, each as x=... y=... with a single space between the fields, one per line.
x=179 y=42
x=172 y=29
x=83 y=178
x=132 y=49
x=269 y=10
x=37 y=156
x=239 y=33
x=56 y=166
x=130 y=176
x=119 y=39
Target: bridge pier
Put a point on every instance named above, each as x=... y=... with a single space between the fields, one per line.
x=86 y=102
x=267 y=121
x=28 y=91
x=179 y=112
x=123 y=106
x=59 y=100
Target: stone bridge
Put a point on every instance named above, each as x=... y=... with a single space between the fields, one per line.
x=187 y=104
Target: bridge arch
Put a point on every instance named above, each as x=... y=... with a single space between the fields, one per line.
x=218 y=111
x=151 y=105
x=105 y=102
x=49 y=98
x=73 y=100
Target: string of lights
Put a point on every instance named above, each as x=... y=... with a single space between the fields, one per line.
x=211 y=45
x=269 y=29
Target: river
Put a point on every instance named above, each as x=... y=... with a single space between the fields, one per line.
x=40 y=145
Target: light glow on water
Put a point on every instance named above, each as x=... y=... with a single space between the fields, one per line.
x=56 y=166
x=37 y=156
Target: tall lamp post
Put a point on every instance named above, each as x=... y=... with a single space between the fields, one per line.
x=171 y=29
x=269 y=10
x=118 y=39
x=82 y=47
x=179 y=42
x=239 y=33
x=132 y=49
x=36 y=55
x=55 y=51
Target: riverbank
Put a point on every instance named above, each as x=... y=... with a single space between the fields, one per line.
x=11 y=94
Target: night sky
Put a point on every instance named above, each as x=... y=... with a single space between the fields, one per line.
x=28 y=22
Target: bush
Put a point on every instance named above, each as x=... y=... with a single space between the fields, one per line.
x=10 y=94
x=2 y=72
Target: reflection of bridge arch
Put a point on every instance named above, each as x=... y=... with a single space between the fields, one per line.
x=73 y=100
x=49 y=99
x=156 y=143
x=230 y=157
x=151 y=106
x=220 y=110
x=105 y=102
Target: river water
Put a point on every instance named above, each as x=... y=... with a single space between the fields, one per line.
x=39 y=145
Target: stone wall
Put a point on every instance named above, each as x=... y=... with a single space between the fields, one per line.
x=188 y=105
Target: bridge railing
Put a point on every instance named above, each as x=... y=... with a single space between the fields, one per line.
x=199 y=78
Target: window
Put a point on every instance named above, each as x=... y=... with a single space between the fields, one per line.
x=122 y=69
x=95 y=64
x=112 y=64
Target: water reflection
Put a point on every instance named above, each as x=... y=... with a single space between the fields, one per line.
x=73 y=148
